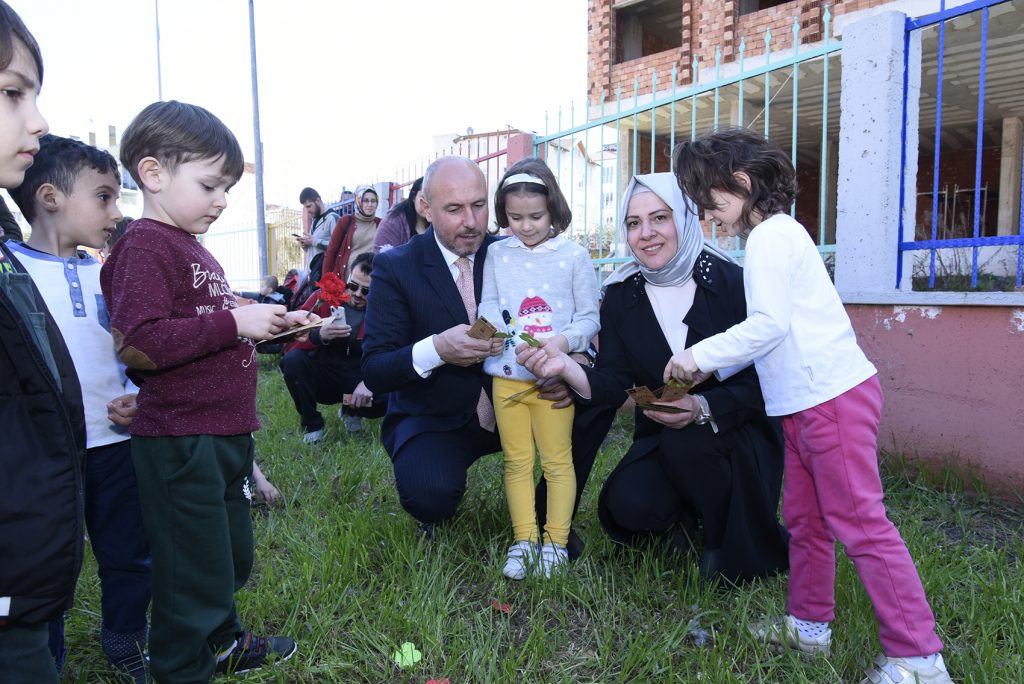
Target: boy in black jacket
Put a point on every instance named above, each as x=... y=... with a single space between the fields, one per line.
x=41 y=421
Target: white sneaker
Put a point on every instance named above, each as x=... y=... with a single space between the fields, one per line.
x=314 y=437
x=783 y=632
x=887 y=670
x=521 y=556
x=352 y=423
x=553 y=559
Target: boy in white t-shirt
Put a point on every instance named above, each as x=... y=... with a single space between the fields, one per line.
x=69 y=196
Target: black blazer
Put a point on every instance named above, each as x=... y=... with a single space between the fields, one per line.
x=633 y=349
x=413 y=297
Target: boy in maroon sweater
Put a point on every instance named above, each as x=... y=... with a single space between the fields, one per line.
x=191 y=349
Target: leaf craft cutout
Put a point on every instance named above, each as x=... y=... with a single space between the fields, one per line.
x=407 y=655
x=648 y=400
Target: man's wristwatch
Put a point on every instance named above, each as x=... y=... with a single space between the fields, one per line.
x=704 y=417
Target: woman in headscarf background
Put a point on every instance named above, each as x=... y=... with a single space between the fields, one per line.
x=716 y=464
x=354 y=234
x=402 y=222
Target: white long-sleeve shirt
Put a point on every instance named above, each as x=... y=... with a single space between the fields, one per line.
x=71 y=289
x=796 y=332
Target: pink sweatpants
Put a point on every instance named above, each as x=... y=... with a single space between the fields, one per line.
x=832 y=491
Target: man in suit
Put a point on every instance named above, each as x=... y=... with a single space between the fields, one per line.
x=417 y=350
x=416 y=346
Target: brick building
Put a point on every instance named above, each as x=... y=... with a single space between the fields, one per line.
x=629 y=38
x=905 y=120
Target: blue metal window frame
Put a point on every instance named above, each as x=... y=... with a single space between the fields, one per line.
x=976 y=241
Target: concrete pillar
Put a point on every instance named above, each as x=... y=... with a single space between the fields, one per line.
x=870 y=154
x=520 y=146
x=1010 y=177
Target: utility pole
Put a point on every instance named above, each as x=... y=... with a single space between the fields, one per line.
x=261 y=219
x=159 y=71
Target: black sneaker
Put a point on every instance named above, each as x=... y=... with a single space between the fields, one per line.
x=427 y=531
x=252 y=652
x=132 y=668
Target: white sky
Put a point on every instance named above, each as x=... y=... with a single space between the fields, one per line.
x=349 y=91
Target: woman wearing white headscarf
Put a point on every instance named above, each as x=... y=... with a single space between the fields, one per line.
x=354 y=233
x=716 y=464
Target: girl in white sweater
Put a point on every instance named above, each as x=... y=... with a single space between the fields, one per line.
x=816 y=378
x=542 y=285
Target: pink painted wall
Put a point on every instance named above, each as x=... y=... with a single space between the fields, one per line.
x=953 y=378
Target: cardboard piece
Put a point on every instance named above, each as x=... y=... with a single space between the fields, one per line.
x=646 y=399
x=482 y=329
x=291 y=332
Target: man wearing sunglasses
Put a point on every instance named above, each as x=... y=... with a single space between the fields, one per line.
x=329 y=373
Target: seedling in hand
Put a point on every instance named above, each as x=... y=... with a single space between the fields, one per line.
x=529 y=339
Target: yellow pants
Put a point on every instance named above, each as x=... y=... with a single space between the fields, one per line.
x=521 y=424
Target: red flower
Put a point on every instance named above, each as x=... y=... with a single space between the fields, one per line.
x=333 y=292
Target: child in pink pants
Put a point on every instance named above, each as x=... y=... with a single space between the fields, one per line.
x=815 y=376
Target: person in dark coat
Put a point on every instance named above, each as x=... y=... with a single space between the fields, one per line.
x=712 y=468
x=42 y=424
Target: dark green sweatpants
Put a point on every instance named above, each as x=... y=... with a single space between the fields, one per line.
x=195 y=494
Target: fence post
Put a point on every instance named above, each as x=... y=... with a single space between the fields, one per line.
x=520 y=146
x=870 y=155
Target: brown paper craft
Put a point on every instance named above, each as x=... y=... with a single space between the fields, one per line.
x=482 y=329
x=647 y=400
x=300 y=329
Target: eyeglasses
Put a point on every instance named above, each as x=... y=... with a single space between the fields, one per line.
x=355 y=287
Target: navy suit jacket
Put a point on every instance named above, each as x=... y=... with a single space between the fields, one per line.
x=414 y=296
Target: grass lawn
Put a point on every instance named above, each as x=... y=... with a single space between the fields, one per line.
x=342 y=569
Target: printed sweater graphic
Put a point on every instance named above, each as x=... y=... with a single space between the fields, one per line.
x=170 y=314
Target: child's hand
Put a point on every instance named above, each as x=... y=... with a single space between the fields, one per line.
x=682 y=367
x=121 y=410
x=260 y=321
x=559 y=341
x=263 y=487
x=546 y=361
x=301 y=317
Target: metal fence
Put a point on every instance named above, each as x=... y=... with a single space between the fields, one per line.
x=285 y=252
x=968 y=224
x=791 y=96
x=488 y=150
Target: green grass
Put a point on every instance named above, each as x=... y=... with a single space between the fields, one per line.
x=342 y=569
